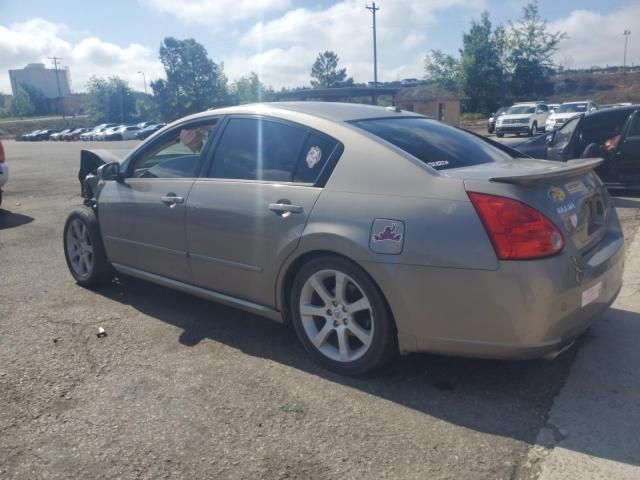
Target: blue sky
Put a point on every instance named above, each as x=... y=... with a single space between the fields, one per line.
x=280 y=38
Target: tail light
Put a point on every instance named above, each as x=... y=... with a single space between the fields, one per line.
x=611 y=144
x=1 y=153
x=517 y=231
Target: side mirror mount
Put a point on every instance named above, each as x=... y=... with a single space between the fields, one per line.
x=110 y=171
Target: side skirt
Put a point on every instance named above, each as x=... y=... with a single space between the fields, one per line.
x=202 y=292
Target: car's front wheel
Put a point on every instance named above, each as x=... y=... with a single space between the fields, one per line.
x=533 y=130
x=83 y=248
x=341 y=317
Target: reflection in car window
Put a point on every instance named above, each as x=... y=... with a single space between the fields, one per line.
x=436 y=144
x=177 y=154
x=257 y=149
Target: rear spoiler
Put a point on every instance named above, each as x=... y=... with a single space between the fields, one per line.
x=556 y=169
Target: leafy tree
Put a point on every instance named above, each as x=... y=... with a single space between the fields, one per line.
x=250 y=89
x=194 y=82
x=442 y=70
x=21 y=105
x=482 y=70
x=110 y=100
x=42 y=105
x=531 y=48
x=325 y=72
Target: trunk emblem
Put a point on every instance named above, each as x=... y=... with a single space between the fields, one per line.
x=556 y=194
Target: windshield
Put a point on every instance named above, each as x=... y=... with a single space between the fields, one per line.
x=436 y=144
x=521 y=109
x=572 y=108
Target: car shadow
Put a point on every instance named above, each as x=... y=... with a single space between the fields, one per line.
x=505 y=398
x=11 y=220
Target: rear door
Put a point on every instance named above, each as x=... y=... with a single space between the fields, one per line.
x=628 y=153
x=248 y=213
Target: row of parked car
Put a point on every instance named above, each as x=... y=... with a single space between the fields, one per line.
x=102 y=132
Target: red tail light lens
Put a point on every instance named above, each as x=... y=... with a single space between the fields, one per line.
x=1 y=153
x=517 y=231
x=612 y=143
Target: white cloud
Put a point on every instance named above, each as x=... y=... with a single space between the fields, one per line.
x=597 y=39
x=36 y=40
x=216 y=12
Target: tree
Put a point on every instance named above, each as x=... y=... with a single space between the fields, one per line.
x=482 y=70
x=194 y=82
x=110 y=100
x=21 y=105
x=325 y=72
x=442 y=70
x=250 y=89
x=531 y=51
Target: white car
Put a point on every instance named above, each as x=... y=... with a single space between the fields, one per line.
x=529 y=118
x=129 y=132
x=567 y=111
x=4 y=170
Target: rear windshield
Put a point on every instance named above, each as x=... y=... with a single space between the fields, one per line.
x=572 y=108
x=436 y=144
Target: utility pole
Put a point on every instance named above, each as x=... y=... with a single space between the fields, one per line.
x=373 y=9
x=55 y=65
x=626 y=38
x=144 y=79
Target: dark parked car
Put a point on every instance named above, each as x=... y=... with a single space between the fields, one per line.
x=491 y=123
x=146 y=132
x=613 y=134
x=44 y=134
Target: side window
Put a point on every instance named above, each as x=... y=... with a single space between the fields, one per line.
x=543 y=108
x=635 y=127
x=175 y=155
x=257 y=149
x=563 y=135
x=315 y=154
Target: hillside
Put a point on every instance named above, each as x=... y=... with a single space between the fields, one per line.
x=602 y=87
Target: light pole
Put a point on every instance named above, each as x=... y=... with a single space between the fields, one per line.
x=144 y=79
x=373 y=9
x=626 y=39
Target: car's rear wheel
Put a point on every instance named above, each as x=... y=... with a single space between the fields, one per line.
x=84 y=250
x=499 y=134
x=533 y=130
x=341 y=317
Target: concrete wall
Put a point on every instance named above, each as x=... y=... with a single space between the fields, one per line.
x=42 y=79
x=447 y=111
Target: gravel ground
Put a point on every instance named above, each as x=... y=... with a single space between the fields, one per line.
x=184 y=388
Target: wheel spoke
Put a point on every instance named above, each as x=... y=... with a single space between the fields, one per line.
x=76 y=231
x=313 y=310
x=85 y=263
x=358 y=305
x=321 y=290
x=343 y=344
x=322 y=335
x=360 y=333
x=341 y=284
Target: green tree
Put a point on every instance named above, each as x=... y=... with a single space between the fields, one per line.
x=482 y=71
x=110 y=100
x=442 y=70
x=21 y=105
x=250 y=89
x=325 y=72
x=193 y=82
x=531 y=48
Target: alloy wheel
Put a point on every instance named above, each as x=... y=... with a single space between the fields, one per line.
x=80 y=248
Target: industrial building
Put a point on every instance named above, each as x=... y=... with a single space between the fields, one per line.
x=42 y=79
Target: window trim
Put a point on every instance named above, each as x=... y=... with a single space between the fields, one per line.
x=323 y=175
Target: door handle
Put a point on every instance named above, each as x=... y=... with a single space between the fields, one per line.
x=284 y=208
x=171 y=199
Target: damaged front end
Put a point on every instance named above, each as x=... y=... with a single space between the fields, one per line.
x=90 y=161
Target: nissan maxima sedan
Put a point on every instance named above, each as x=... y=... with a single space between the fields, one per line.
x=371 y=230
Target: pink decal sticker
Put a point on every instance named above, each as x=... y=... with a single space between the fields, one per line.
x=389 y=233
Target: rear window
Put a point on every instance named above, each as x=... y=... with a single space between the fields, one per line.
x=436 y=144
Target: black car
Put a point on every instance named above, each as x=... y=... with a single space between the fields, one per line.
x=491 y=123
x=146 y=132
x=613 y=134
x=44 y=134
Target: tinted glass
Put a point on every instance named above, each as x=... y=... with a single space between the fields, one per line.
x=257 y=149
x=572 y=108
x=175 y=155
x=316 y=152
x=543 y=108
x=563 y=135
x=600 y=127
x=436 y=144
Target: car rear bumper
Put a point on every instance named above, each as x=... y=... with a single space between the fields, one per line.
x=521 y=310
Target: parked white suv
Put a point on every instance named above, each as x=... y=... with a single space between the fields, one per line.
x=567 y=111
x=4 y=171
x=529 y=118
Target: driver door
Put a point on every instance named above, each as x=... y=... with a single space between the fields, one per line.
x=628 y=154
x=562 y=141
x=142 y=218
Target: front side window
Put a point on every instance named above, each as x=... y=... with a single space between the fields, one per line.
x=258 y=149
x=175 y=155
x=434 y=143
x=563 y=135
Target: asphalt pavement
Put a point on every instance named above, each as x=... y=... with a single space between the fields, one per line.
x=184 y=388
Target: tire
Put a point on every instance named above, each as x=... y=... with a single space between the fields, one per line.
x=350 y=342
x=499 y=135
x=533 y=130
x=84 y=250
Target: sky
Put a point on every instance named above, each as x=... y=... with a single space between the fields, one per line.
x=280 y=39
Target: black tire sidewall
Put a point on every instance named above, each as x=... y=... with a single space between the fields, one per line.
x=384 y=344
